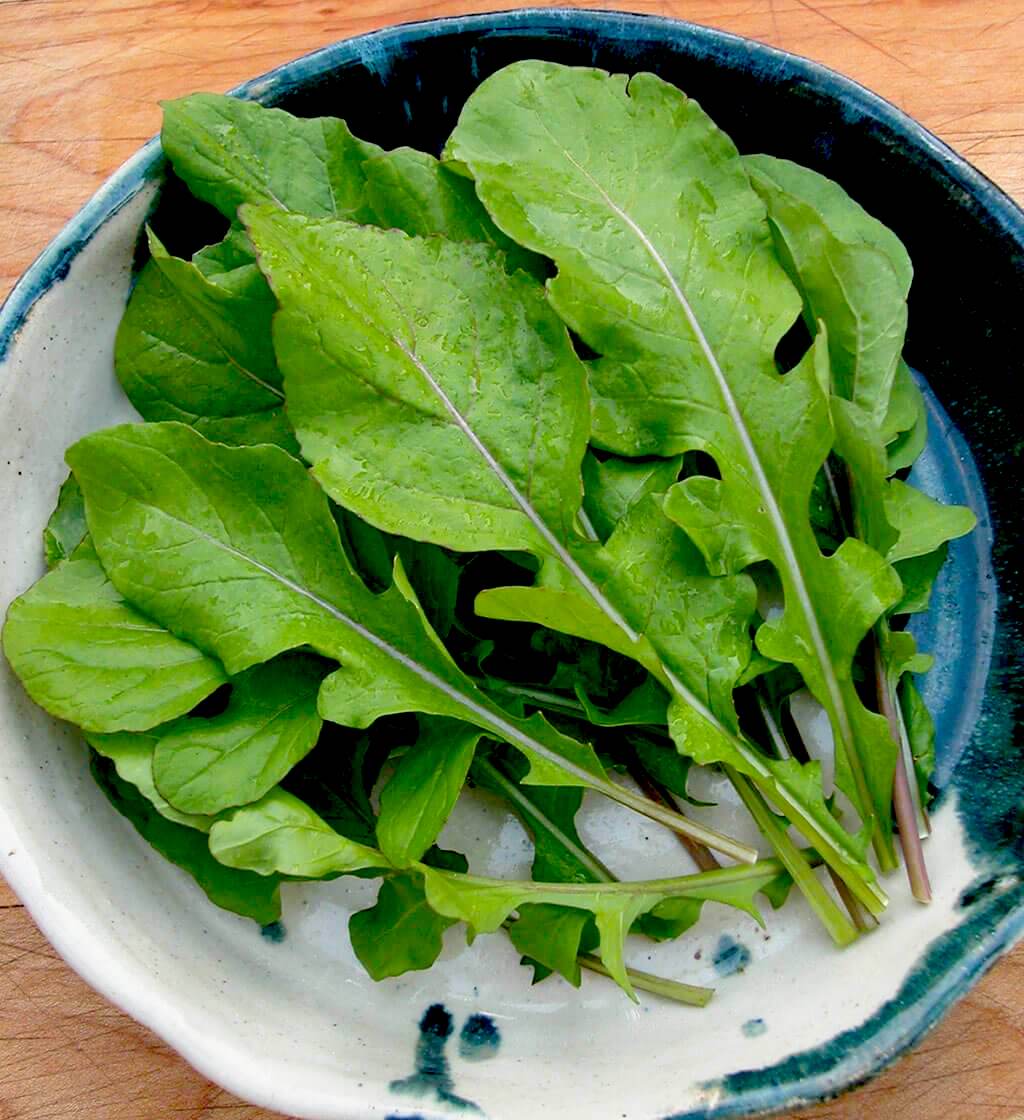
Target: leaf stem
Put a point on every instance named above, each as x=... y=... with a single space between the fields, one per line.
x=702 y=856
x=841 y=929
x=657 y=985
x=903 y=804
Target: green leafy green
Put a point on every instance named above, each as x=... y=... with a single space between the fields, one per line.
x=195 y=346
x=420 y=795
x=164 y=503
x=682 y=294
x=551 y=939
x=270 y=723
x=86 y=655
x=240 y=891
x=66 y=528
x=612 y=486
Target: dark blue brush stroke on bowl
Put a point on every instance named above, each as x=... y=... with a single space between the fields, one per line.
x=405 y=85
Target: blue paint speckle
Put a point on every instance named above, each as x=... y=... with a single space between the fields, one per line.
x=479 y=1038
x=730 y=956
x=754 y=1027
x=433 y=1077
x=274 y=932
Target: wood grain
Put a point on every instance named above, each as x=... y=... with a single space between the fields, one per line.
x=79 y=84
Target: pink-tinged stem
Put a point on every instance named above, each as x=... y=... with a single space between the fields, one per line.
x=904 y=807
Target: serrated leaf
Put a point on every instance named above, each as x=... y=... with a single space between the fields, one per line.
x=236 y=549
x=484 y=904
x=419 y=797
x=270 y=723
x=552 y=937
x=682 y=293
x=242 y=892
x=87 y=656
x=923 y=524
x=612 y=486
x=647 y=703
x=694 y=627
x=66 y=528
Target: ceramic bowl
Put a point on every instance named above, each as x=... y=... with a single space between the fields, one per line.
x=290 y=1021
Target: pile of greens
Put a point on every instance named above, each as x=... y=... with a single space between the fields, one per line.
x=558 y=465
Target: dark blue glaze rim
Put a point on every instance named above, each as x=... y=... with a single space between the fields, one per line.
x=996 y=915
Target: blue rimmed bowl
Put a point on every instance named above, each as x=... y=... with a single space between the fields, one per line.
x=289 y=1020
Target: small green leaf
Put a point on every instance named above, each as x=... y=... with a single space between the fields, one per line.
x=279 y=834
x=918 y=576
x=270 y=723
x=242 y=892
x=413 y=191
x=924 y=524
x=612 y=486
x=552 y=936
x=66 y=528
x=420 y=795
x=131 y=752
x=87 y=656
x=920 y=732
x=400 y=932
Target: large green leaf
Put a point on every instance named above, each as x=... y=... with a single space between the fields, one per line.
x=419 y=797
x=241 y=891
x=86 y=655
x=446 y=402
x=270 y=723
x=235 y=548
x=682 y=294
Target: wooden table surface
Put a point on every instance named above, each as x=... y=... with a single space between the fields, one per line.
x=79 y=82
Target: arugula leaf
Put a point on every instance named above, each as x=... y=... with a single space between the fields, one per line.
x=242 y=892
x=853 y=273
x=420 y=795
x=683 y=295
x=485 y=904
x=270 y=723
x=86 y=655
x=162 y=502
x=924 y=524
x=131 y=752
x=415 y=192
x=400 y=932
x=230 y=151
x=66 y=528
x=196 y=347
x=612 y=486
x=551 y=939
x=472 y=374
x=279 y=834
